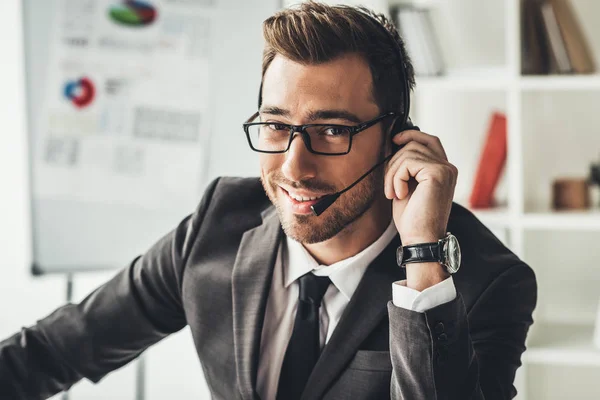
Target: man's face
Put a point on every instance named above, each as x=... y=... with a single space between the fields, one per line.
x=336 y=92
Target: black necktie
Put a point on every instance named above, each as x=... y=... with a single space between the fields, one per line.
x=304 y=348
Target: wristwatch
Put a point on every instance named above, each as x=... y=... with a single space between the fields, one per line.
x=446 y=251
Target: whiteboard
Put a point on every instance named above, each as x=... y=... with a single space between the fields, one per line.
x=93 y=219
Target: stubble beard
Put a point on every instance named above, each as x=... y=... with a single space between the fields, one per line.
x=349 y=207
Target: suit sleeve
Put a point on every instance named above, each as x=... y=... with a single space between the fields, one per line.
x=447 y=354
x=138 y=307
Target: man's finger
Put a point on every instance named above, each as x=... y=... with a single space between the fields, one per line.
x=432 y=142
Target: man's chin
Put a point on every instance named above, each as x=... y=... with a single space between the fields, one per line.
x=304 y=235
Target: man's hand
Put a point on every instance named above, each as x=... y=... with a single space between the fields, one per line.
x=420 y=182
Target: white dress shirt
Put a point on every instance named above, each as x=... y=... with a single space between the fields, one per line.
x=293 y=261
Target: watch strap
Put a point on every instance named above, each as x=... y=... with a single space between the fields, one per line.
x=422 y=252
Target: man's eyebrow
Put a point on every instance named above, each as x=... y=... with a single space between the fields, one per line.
x=273 y=110
x=314 y=115
x=333 y=114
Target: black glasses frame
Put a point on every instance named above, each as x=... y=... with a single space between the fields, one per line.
x=301 y=129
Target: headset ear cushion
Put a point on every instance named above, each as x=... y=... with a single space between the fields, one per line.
x=400 y=125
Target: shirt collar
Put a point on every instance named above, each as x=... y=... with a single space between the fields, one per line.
x=345 y=274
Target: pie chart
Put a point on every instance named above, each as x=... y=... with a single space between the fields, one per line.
x=80 y=92
x=133 y=13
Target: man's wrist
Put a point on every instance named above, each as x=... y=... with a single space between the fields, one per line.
x=420 y=276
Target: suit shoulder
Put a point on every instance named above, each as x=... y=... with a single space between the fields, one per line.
x=235 y=198
x=226 y=185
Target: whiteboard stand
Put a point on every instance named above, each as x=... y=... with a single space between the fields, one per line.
x=69 y=298
x=140 y=378
x=140 y=369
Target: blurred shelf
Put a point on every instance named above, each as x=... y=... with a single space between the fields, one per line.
x=560 y=82
x=542 y=219
x=488 y=78
x=563 y=220
x=498 y=217
x=562 y=344
x=498 y=78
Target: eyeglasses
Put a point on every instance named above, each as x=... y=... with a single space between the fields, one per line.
x=325 y=139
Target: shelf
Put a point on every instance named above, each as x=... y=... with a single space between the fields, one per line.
x=547 y=220
x=563 y=344
x=560 y=82
x=497 y=217
x=498 y=79
x=563 y=220
x=489 y=78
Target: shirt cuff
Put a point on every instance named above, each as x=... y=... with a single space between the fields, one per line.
x=411 y=299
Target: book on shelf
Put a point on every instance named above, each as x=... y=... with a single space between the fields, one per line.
x=559 y=61
x=552 y=39
x=416 y=29
x=534 y=51
x=575 y=41
x=491 y=163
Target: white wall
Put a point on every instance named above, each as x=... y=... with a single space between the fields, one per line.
x=173 y=370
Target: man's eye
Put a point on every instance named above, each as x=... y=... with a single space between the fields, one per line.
x=336 y=131
x=277 y=127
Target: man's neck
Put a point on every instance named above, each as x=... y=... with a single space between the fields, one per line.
x=355 y=237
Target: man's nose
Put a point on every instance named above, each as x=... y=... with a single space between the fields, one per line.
x=299 y=162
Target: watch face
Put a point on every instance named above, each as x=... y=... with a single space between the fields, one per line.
x=399 y=256
x=453 y=256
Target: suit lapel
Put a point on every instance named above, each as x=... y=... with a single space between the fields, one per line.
x=367 y=307
x=251 y=280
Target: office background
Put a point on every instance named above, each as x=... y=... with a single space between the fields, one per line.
x=552 y=129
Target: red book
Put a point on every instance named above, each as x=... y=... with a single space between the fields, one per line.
x=491 y=163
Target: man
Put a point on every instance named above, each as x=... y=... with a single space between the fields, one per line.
x=286 y=304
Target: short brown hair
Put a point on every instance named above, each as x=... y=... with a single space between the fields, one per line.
x=314 y=33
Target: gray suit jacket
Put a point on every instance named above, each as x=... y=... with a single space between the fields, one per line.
x=213 y=273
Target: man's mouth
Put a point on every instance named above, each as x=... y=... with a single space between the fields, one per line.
x=303 y=198
x=300 y=202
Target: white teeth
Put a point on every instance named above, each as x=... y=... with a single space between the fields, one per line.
x=300 y=198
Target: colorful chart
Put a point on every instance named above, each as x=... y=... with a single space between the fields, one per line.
x=80 y=92
x=133 y=13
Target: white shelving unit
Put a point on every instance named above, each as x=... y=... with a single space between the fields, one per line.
x=553 y=131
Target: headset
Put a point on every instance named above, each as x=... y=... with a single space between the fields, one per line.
x=400 y=124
